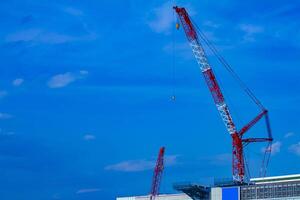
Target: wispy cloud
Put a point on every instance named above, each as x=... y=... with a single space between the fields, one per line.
x=275 y=148
x=38 y=35
x=56 y=196
x=140 y=165
x=83 y=72
x=45 y=37
x=171 y=160
x=131 y=166
x=24 y=35
x=250 y=31
x=88 y=190
x=289 y=134
x=163 y=18
x=181 y=49
x=221 y=159
x=62 y=80
x=295 y=148
x=88 y=137
x=211 y=24
x=73 y=11
x=5 y=116
x=281 y=11
x=7 y=134
x=18 y=82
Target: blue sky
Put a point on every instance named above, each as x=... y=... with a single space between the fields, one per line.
x=85 y=94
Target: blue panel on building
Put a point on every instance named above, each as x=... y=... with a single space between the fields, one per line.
x=230 y=194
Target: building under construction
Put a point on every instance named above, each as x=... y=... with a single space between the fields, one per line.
x=240 y=187
x=273 y=188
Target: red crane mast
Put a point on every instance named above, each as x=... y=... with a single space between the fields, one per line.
x=157 y=174
x=238 y=165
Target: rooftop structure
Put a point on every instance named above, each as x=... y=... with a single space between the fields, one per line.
x=275 y=187
x=194 y=191
x=159 y=197
x=276 y=179
x=285 y=187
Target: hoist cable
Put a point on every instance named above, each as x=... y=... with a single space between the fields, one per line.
x=228 y=67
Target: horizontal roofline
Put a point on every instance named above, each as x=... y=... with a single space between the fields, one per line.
x=160 y=195
x=276 y=178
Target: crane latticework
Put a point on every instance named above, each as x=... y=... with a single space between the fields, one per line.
x=238 y=142
x=157 y=174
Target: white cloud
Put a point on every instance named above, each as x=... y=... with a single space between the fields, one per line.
x=62 y=80
x=131 y=166
x=275 y=148
x=250 y=31
x=18 y=82
x=3 y=93
x=295 y=148
x=5 y=116
x=88 y=190
x=289 y=134
x=89 y=137
x=140 y=165
x=163 y=18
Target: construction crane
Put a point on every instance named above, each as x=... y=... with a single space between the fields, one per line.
x=157 y=174
x=238 y=142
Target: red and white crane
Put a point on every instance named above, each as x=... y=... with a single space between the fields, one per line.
x=238 y=142
x=157 y=174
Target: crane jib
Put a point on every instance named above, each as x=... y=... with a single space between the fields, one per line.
x=238 y=166
x=157 y=174
x=199 y=53
x=186 y=23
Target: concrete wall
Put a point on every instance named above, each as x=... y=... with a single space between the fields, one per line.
x=216 y=193
x=225 y=193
